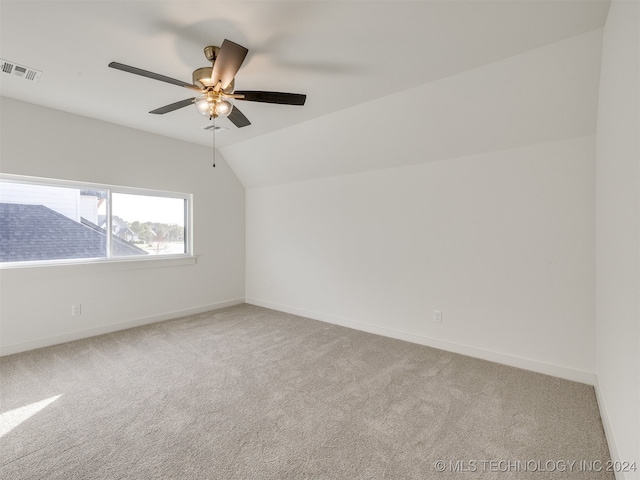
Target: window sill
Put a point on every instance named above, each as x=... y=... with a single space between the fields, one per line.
x=99 y=265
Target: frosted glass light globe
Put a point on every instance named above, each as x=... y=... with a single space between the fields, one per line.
x=223 y=108
x=205 y=105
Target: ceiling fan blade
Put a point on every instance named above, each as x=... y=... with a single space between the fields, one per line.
x=227 y=63
x=155 y=76
x=272 y=97
x=173 y=106
x=238 y=118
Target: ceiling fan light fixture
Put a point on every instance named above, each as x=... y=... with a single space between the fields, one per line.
x=211 y=105
x=215 y=85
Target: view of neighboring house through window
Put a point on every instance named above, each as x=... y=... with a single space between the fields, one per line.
x=42 y=222
x=155 y=224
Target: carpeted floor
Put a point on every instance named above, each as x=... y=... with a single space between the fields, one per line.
x=250 y=393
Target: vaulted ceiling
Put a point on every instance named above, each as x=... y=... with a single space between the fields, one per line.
x=445 y=77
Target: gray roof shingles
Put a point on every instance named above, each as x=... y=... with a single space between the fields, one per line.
x=35 y=232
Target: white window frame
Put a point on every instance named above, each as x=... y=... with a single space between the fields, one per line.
x=122 y=261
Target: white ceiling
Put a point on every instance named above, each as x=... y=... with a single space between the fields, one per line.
x=548 y=94
x=340 y=53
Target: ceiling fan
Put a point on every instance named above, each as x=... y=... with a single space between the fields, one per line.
x=216 y=85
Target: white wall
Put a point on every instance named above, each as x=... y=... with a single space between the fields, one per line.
x=35 y=303
x=501 y=242
x=473 y=194
x=618 y=232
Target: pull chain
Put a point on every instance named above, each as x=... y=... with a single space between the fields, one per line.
x=213 y=130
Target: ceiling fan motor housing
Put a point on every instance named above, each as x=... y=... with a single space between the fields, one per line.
x=202 y=78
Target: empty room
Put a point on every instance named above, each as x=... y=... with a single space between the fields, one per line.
x=320 y=239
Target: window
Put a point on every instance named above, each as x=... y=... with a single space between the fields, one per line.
x=155 y=223
x=50 y=221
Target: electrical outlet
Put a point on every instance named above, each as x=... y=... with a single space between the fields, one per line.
x=437 y=316
x=76 y=310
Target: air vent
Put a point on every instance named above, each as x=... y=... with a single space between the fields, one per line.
x=215 y=128
x=21 y=71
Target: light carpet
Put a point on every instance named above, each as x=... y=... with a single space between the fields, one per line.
x=250 y=393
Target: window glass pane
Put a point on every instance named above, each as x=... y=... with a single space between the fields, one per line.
x=40 y=222
x=147 y=225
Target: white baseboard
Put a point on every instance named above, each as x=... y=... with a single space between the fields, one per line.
x=608 y=431
x=504 y=359
x=513 y=361
x=113 y=327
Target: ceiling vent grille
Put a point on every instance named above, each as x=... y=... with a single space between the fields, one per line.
x=216 y=128
x=21 y=71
